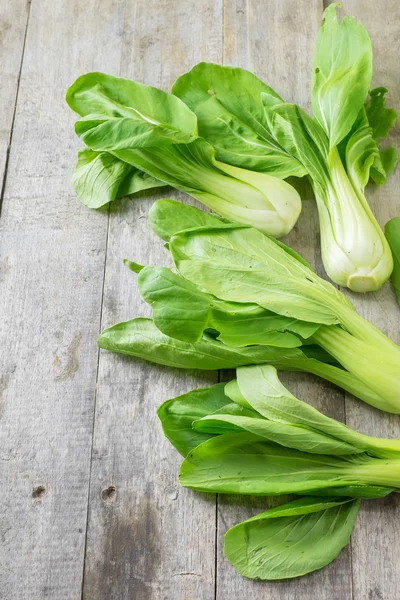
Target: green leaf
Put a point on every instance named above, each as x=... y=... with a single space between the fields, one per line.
x=178 y=414
x=381 y=119
x=262 y=389
x=243 y=265
x=114 y=99
x=100 y=178
x=181 y=310
x=243 y=463
x=237 y=90
x=304 y=139
x=287 y=435
x=363 y=155
x=384 y=164
x=392 y=232
x=291 y=540
x=360 y=155
x=227 y=102
x=342 y=71
x=168 y=217
x=141 y=338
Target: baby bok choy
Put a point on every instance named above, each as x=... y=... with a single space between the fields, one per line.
x=242 y=296
x=252 y=436
x=137 y=137
x=340 y=152
x=250 y=126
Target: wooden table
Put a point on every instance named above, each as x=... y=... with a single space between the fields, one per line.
x=90 y=505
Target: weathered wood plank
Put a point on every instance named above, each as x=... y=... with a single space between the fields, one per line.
x=52 y=253
x=13 y=23
x=376 y=537
x=276 y=41
x=151 y=539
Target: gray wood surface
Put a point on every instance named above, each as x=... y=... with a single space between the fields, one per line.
x=91 y=507
x=153 y=539
x=52 y=253
x=13 y=25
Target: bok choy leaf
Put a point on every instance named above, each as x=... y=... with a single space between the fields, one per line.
x=292 y=539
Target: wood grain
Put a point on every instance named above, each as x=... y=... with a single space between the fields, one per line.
x=13 y=24
x=76 y=433
x=153 y=539
x=52 y=252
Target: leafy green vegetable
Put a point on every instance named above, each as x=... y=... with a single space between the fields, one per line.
x=183 y=311
x=263 y=440
x=241 y=266
x=342 y=72
x=392 y=231
x=231 y=118
x=156 y=134
x=141 y=338
x=292 y=539
x=281 y=445
x=341 y=152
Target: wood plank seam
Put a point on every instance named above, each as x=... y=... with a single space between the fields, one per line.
x=94 y=409
x=4 y=182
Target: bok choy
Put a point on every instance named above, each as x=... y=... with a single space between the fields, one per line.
x=137 y=137
x=250 y=126
x=252 y=436
x=243 y=296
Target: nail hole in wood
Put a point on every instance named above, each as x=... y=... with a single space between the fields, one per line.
x=39 y=492
x=109 y=493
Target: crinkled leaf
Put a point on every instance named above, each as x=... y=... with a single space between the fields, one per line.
x=227 y=102
x=384 y=164
x=342 y=71
x=181 y=310
x=111 y=98
x=291 y=540
x=381 y=119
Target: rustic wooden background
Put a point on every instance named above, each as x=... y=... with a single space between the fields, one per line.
x=90 y=505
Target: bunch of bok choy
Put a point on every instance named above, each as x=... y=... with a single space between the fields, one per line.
x=240 y=297
x=252 y=436
x=137 y=137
